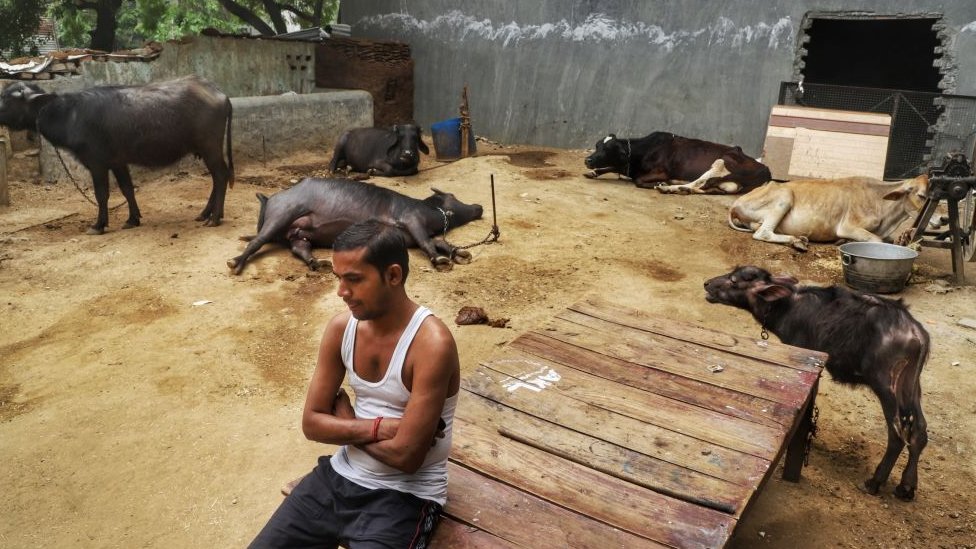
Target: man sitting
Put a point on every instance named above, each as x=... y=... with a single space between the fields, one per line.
x=387 y=483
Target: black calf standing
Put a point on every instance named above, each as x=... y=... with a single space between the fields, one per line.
x=871 y=341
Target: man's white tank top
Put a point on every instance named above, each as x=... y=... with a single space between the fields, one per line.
x=388 y=398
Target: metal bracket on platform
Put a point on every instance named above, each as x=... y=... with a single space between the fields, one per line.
x=954 y=183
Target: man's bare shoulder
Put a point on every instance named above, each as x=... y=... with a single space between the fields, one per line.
x=436 y=333
x=337 y=325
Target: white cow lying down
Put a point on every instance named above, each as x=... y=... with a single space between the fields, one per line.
x=827 y=210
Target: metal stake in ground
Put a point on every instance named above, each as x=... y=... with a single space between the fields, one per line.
x=495 y=233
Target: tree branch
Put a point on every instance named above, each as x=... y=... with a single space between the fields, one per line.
x=247 y=16
x=274 y=12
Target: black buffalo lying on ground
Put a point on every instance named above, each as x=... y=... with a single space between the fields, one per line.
x=109 y=127
x=661 y=157
x=379 y=151
x=870 y=341
x=313 y=212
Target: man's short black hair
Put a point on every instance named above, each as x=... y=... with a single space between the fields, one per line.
x=385 y=244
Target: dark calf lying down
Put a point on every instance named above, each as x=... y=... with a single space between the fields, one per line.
x=315 y=211
x=871 y=341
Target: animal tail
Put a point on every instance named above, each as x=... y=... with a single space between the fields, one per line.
x=230 y=154
x=907 y=388
x=264 y=204
x=736 y=226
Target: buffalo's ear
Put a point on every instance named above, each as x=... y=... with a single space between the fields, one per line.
x=421 y=145
x=437 y=191
x=773 y=292
x=390 y=141
x=785 y=280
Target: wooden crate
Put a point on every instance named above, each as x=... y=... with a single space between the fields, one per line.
x=805 y=142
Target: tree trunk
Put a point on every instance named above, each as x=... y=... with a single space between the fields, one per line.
x=103 y=35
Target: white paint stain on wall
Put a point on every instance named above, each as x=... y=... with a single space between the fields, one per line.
x=597 y=28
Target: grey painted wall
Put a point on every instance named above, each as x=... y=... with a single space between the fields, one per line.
x=564 y=73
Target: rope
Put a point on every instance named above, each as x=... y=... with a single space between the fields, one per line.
x=72 y=178
x=57 y=151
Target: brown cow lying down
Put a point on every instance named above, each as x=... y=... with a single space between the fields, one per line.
x=828 y=210
x=662 y=157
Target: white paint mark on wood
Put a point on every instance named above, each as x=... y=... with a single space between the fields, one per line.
x=534 y=381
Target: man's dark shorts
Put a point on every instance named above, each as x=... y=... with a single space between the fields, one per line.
x=326 y=510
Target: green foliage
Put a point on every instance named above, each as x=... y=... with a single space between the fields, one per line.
x=73 y=24
x=18 y=24
x=140 y=21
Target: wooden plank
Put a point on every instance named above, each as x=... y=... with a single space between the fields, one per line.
x=770 y=351
x=655 y=474
x=524 y=519
x=451 y=534
x=677 y=448
x=592 y=493
x=819 y=153
x=736 y=434
x=737 y=373
x=709 y=397
x=776 y=153
x=818 y=113
x=831 y=125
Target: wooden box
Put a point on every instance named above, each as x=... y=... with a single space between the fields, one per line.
x=805 y=142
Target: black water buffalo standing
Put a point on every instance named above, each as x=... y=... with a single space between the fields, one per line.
x=380 y=151
x=661 y=157
x=870 y=341
x=313 y=212
x=109 y=127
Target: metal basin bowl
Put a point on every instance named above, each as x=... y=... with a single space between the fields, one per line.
x=877 y=267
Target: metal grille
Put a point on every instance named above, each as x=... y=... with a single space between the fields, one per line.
x=956 y=130
x=914 y=115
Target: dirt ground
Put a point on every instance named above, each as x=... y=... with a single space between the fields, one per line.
x=149 y=398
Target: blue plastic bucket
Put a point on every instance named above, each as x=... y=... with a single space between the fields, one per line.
x=446 y=135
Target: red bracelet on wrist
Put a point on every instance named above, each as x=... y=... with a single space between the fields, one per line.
x=376 y=428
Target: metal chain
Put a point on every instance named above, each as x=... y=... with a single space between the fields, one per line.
x=493 y=234
x=492 y=237
x=811 y=435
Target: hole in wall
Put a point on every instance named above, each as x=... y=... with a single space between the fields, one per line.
x=884 y=52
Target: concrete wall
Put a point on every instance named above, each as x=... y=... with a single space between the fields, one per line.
x=241 y=67
x=564 y=73
x=276 y=126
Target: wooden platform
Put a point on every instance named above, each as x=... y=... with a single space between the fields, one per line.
x=609 y=427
